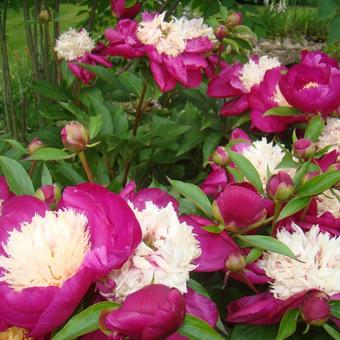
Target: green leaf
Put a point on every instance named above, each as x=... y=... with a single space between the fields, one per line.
x=327 y=8
x=197 y=329
x=247 y=169
x=194 y=194
x=95 y=125
x=331 y=331
x=299 y=175
x=194 y=285
x=319 y=184
x=293 y=206
x=49 y=154
x=15 y=144
x=314 y=128
x=17 y=178
x=84 y=322
x=213 y=229
x=251 y=332
x=288 y=324
x=267 y=243
x=50 y=90
x=46 y=176
x=254 y=254
x=335 y=308
x=334 y=31
x=282 y=111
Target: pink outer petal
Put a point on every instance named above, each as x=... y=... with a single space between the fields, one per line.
x=162 y=77
x=327 y=160
x=198 y=45
x=176 y=68
x=215 y=182
x=235 y=107
x=5 y=193
x=215 y=247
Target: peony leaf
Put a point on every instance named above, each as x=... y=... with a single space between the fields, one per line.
x=194 y=194
x=293 y=206
x=17 y=178
x=254 y=254
x=331 y=331
x=197 y=329
x=288 y=324
x=314 y=128
x=84 y=322
x=282 y=111
x=49 y=154
x=335 y=308
x=46 y=178
x=247 y=169
x=94 y=125
x=267 y=243
x=16 y=145
x=253 y=332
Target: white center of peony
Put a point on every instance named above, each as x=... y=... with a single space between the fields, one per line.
x=164 y=256
x=266 y=156
x=253 y=72
x=330 y=135
x=319 y=269
x=170 y=37
x=45 y=252
x=310 y=85
x=327 y=201
x=15 y=333
x=73 y=44
x=279 y=98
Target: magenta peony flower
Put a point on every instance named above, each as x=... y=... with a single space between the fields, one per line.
x=312 y=89
x=48 y=260
x=176 y=49
x=153 y=312
x=317 y=59
x=5 y=193
x=236 y=82
x=215 y=182
x=120 y=10
x=265 y=96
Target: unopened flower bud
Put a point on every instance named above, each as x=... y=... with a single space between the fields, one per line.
x=220 y=156
x=75 y=136
x=315 y=309
x=280 y=187
x=216 y=214
x=234 y=19
x=50 y=194
x=220 y=32
x=35 y=145
x=304 y=149
x=235 y=263
x=44 y=16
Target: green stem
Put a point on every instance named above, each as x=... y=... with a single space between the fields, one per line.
x=305 y=210
x=277 y=210
x=139 y=110
x=86 y=166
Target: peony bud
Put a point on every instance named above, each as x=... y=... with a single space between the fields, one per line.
x=304 y=148
x=280 y=187
x=216 y=214
x=35 y=145
x=153 y=312
x=220 y=156
x=75 y=136
x=44 y=16
x=220 y=32
x=235 y=263
x=121 y=11
x=50 y=194
x=234 y=19
x=315 y=309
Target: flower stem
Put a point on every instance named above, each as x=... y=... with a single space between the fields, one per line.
x=32 y=168
x=86 y=166
x=277 y=210
x=247 y=281
x=139 y=110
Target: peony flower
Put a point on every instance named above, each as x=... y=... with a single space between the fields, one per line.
x=77 y=47
x=317 y=59
x=266 y=95
x=166 y=255
x=120 y=10
x=153 y=312
x=330 y=135
x=312 y=89
x=175 y=49
x=93 y=232
x=215 y=182
x=5 y=193
x=236 y=81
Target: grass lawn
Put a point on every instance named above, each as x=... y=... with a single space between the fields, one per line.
x=16 y=32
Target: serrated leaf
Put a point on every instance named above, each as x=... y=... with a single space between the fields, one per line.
x=283 y=111
x=17 y=178
x=314 y=128
x=49 y=154
x=288 y=324
x=194 y=194
x=293 y=206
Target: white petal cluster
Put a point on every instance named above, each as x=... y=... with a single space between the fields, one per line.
x=164 y=256
x=266 y=156
x=279 y=98
x=253 y=72
x=319 y=268
x=330 y=134
x=45 y=252
x=327 y=201
x=73 y=44
x=170 y=37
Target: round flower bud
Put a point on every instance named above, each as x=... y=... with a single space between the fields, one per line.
x=220 y=156
x=280 y=187
x=75 y=137
x=234 y=19
x=304 y=148
x=44 y=16
x=216 y=214
x=35 y=145
x=315 y=309
x=220 y=32
x=235 y=263
x=50 y=194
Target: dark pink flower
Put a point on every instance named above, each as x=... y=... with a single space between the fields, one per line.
x=312 y=89
x=240 y=140
x=104 y=234
x=317 y=59
x=315 y=309
x=215 y=182
x=120 y=10
x=5 y=193
x=153 y=312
